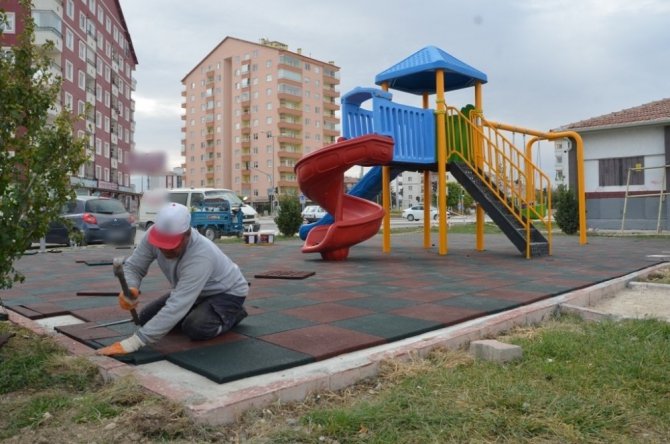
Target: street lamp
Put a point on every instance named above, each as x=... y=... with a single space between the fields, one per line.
x=268 y=134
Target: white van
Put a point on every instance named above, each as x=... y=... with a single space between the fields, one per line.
x=153 y=200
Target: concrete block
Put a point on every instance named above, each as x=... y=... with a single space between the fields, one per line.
x=496 y=351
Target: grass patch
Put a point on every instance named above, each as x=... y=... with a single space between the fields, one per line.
x=661 y=276
x=577 y=382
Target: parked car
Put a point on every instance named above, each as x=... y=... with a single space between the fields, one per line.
x=416 y=213
x=312 y=213
x=93 y=219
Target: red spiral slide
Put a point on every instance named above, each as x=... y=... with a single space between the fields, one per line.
x=321 y=178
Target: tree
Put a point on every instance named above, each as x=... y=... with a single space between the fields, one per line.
x=38 y=151
x=567 y=210
x=289 y=218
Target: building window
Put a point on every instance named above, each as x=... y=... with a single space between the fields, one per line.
x=69 y=39
x=82 y=21
x=10 y=26
x=82 y=50
x=69 y=8
x=69 y=70
x=82 y=80
x=614 y=172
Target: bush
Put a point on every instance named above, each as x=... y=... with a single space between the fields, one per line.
x=567 y=210
x=289 y=219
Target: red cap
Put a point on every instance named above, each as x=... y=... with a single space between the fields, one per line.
x=172 y=221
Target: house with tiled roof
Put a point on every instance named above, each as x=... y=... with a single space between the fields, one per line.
x=626 y=158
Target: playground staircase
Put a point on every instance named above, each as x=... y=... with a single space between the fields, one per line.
x=498 y=212
x=501 y=178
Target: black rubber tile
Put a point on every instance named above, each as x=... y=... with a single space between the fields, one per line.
x=284 y=274
x=487 y=304
x=268 y=323
x=388 y=326
x=237 y=360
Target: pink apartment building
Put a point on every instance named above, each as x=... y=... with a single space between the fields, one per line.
x=94 y=55
x=251 y=110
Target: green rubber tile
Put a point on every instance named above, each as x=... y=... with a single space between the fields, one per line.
x=81 y=303
x=268 y=323
x=487 y=304
x=378 y=304
x=239 y=359
x=278 y=303
x=388 y=326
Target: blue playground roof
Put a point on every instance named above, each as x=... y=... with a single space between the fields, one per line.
x=416 y=74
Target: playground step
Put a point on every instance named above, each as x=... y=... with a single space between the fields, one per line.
x=498 y=212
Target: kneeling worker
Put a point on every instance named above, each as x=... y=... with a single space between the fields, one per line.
x=208 y=288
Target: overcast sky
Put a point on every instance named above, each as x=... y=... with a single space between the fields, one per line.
x=548 y=62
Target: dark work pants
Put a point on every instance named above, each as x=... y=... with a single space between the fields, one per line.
x=209 y=317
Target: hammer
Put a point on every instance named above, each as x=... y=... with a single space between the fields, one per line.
x=118 y=272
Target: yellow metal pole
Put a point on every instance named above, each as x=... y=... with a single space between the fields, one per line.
x=441 y=109
x=426 y=196
x=386 y=200
x=479 y=162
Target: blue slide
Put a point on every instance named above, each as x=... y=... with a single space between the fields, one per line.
x=366 y=188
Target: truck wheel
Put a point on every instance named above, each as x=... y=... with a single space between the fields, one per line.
x=210 y=233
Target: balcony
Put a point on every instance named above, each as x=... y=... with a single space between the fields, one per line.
x=45 y=34
x=285 y=169
x=331 y=118
x=297 y=112
x=245 y=158
x=209 y=135
x=331 y=106
x=289 y=125
x=289 y=154
x=283 y=65
x=209 y=163
x=246 y=130
x=290 y=139
x=246 y=144
x=329 y=92
x=330 y=132
x=209 y=176
x=246 y=117
x=330 y=79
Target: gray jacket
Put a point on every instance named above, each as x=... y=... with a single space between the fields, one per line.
x=201 y=271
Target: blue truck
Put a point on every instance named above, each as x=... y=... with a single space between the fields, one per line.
x=213 y=218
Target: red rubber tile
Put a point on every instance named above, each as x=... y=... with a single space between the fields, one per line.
x=83 y=332
x=327 y=312
x=438 y=313
x=23 y=311
x=102 y=314
x=323 y=341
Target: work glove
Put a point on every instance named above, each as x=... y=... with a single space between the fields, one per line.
x=126 y=303
x=124 y=347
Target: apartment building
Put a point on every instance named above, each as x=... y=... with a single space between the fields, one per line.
x=251 y=111
x=94 y=55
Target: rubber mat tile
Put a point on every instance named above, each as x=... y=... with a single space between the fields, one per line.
x=83 y=332
x=487 y=304
x=327 y=312
x=512 y=294
x=102 y=314
x=378 y=304
x=419 y=296
x=240 y=359
x=438 y=313
x=284 y=274
x=268 y=323
x=388 y=326
x=333 y=295
x=145 y=355
x=278 y=303
x=23 y=311
x=340 y=283
x=81 y=303
x=323 y=341
x=175 y=342
x=48 y=309
x=125 y=329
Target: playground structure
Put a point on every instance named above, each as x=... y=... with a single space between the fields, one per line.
x=392 y=138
